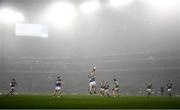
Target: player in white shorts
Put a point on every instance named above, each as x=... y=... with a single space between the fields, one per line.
x=92 y=81
x=58 y=84
x=12 y=84
x=115 y=88
x=149 y=89
x=169 y=88
x=102 y=88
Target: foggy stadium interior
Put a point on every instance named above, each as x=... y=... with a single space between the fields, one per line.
x=134 y=42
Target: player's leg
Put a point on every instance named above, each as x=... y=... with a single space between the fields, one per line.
x=107 y=92
x=90 y=88
x=58 y=93
x=58 y=90
x=55 y=92
x=149 y=92
x=169 y=92
x=116 y=91
x=113 y=91
x=94 y=88
x=100 y=91
x=12 y=91
x=9 y=92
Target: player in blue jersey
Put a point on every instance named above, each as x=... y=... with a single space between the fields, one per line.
x=92 y=81
x=169 y=88
x=12 y=84
x=58 y=84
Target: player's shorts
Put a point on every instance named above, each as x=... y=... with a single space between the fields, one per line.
x=12 y=88
x=169 y=90
x=102 y=89
x=58 y=88
x=93 y=83
x=149 y=90
x=106 y=90
x=116 y=90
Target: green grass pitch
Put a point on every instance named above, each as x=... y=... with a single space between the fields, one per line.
x=88 y=102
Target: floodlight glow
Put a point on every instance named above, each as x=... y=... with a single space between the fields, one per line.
x=119 y=3
x=90 y=6
x=164 y=4
x=8 y=16
x=62 y=13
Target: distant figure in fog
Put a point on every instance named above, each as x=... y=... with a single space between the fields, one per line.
x=149 y=88
x=169 y=88
x=58 y=84
x=115 y=88
x=12 y=84
x=162 y=90
x=92 y=81
x=102 y=88
x=106 y=91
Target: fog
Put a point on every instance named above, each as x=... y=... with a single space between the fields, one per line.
x=134 y=43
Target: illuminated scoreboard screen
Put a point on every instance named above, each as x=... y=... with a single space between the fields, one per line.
x=31 y=30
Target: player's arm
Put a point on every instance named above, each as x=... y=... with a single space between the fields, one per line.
x=93 y=72
x=171 y=85
x=88 y=75
x=10 y=83
x=62 y=83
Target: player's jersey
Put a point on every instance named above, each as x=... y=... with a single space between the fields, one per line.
x=169 y=85
x=13 y=84
x=91 y=78
x=149 y=86
x=106 y=86
x=103 y=85
x=58 y=82
x=116 y=84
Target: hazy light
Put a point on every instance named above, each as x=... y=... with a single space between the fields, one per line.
x=163 y=4
x=62 y=13
x=8 y=16
x=90 y=6
x=119 y=3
